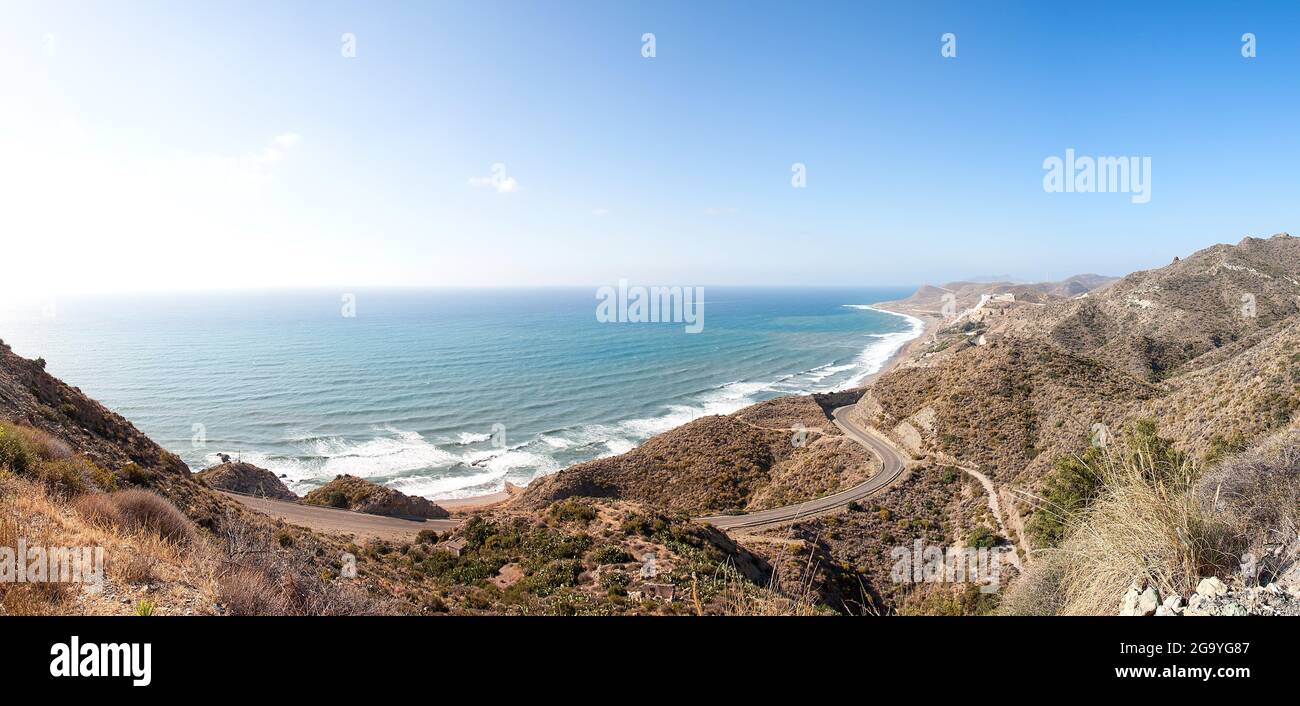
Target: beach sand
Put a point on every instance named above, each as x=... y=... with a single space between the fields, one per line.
x=480 y=502
x=932 y=325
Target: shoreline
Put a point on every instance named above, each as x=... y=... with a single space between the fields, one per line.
x=928 y=325
x=923 y=327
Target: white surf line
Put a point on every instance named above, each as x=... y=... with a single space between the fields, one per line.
x=878 y=362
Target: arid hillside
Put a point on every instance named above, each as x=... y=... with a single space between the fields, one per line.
x=74 y=474
x=953 y=297
x=1205 y=347
x=769 y=454
x=1153 y=323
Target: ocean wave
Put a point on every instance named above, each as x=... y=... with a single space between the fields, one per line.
x=556 y=442
x=405 y=454
x=875 y=356
x=408 y=462
x=450 y=486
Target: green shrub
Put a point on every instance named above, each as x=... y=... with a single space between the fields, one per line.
x=135 y=475
x=615 y=582
x=1076 y=480
x=1221 y=446
x=553 y=576
x=610 y=554
x=982 y=538
x=473 y=569
x=572 y=510
x=439 y=563
x=15 y=454
x=1067 y=490
x=477 y=531
x=66 y=477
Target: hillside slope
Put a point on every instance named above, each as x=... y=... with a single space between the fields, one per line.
x=769 y=454
x=1206 y=346
x=73 y=473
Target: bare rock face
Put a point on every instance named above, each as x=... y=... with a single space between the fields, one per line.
x=248 y=479
x=352 y=493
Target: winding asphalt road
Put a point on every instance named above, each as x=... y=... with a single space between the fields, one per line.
x=892 y=465
x=329 y=519
x=364 y=525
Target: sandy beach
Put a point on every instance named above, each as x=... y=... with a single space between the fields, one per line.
x=480 y=502
x=932 y=325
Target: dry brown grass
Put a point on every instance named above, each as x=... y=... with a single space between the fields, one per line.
x=793 y=595
x=1258 y=494
x=181 y=575
x=148 y=511
x=259 y=576
x=741 y=598
x=135 y=568
x=46 y=447
x=1146 y=526
x=17 y=599
x=99 y=509
x=248 y=591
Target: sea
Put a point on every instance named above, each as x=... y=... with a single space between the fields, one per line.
x=442 y=393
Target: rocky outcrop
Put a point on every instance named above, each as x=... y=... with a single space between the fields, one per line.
x=33 y=397
x=352 y=493
x=246 y=478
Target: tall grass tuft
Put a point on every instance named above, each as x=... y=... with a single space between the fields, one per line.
x=1146 y=524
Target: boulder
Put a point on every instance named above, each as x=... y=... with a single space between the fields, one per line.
x=1173 y=605
x=1199 y=605
x=1139 y=602
x=1148 y=602
x=247 y=479
x=352 y=493
x=1128 y=604
x=1233 y=609
x=1211 y=587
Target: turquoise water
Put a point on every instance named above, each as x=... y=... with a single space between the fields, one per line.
x=442 y=393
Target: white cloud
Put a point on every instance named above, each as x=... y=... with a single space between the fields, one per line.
x=499 y=181
x=600 y=212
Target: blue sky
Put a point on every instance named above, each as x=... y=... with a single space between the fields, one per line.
x=160 y=146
